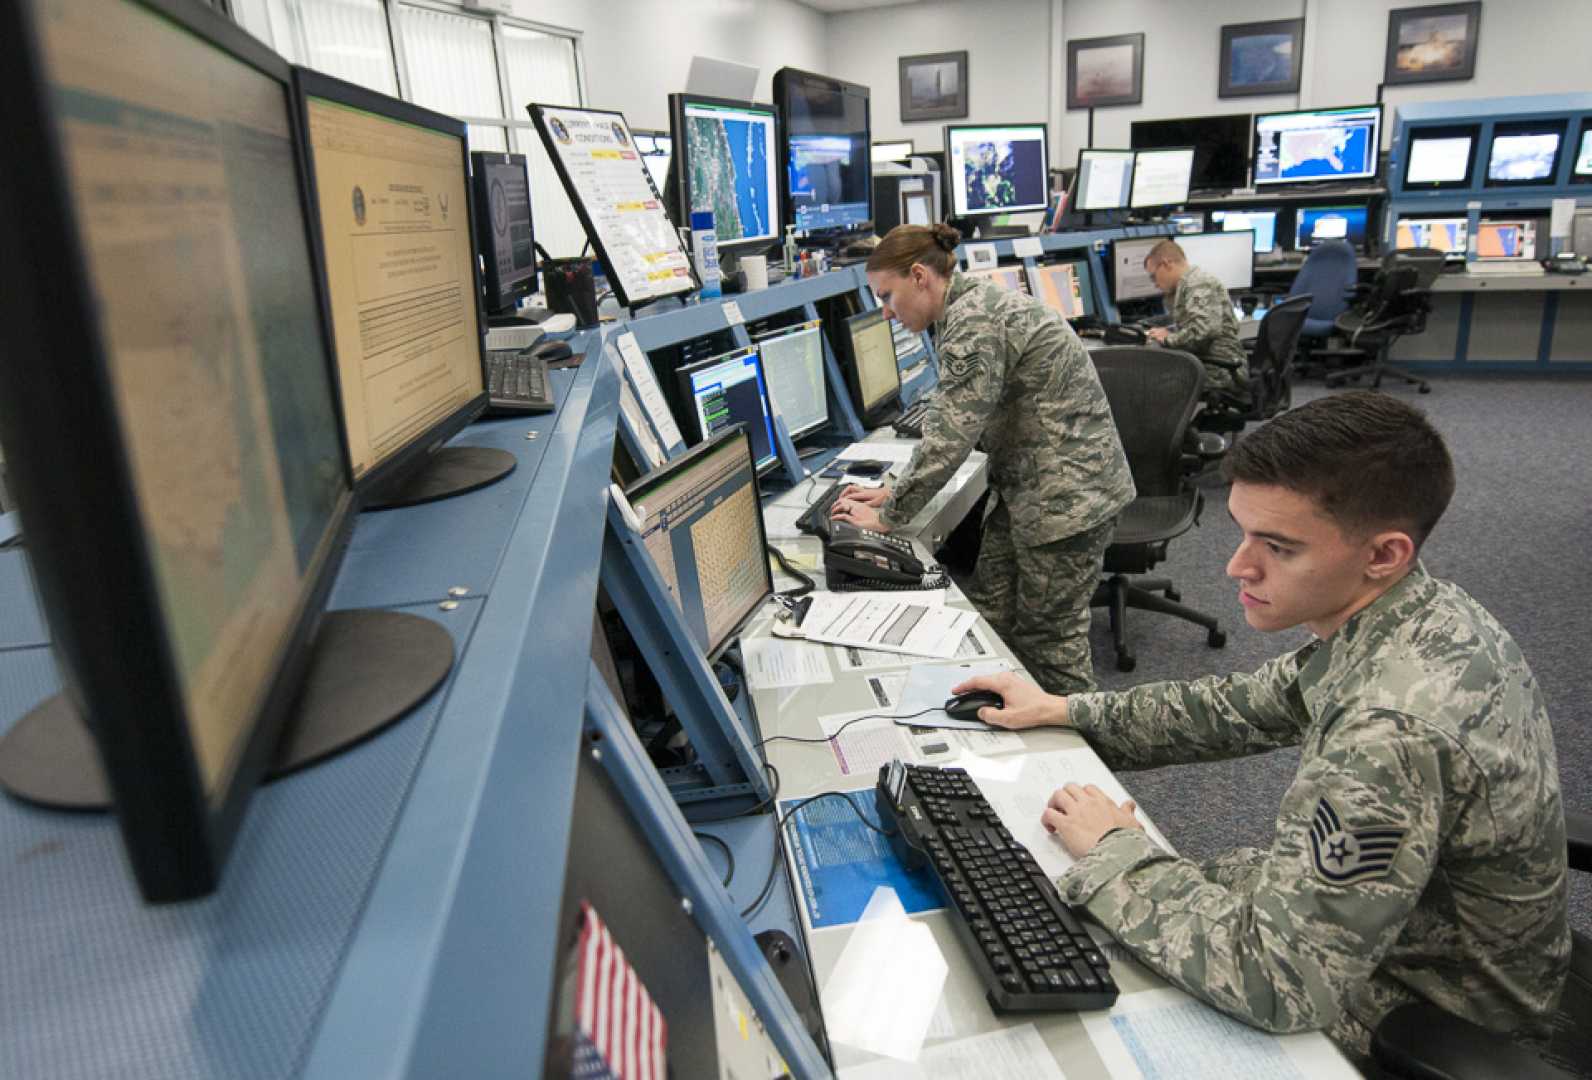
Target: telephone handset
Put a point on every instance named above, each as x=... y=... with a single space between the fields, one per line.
x=878 y=560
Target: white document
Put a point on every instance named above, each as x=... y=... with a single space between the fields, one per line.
x=863 y=746
x=883 y=991
x=996 y=1055
x=650 y=394
x=771 y=662
x=1561 y=220
x=886 y=689
x=651 y=448
x=980 y=256
x=732 y=312
x=1025 y=247
x=929 y=687
x=898 y=453
x=888 y=625
x=854 y=659
x=1164 y=1032
x=515 y=337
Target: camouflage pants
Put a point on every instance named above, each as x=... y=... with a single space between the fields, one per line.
x=1037 y=599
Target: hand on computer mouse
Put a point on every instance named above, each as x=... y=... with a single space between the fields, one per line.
x=1024 y=705
x=968 y=706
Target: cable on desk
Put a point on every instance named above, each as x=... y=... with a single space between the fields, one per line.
x=806 y=586
x=847 y=724
x=729 y=856
x=779 y=842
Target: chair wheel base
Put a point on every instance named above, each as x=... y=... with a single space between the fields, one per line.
x=1216 y=638
x=1127 y=663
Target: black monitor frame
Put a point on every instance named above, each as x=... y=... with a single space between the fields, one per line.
x=1080 y=269
x=677 y=196
x=1075 y=202
x=1188 y=186
x=1445 y=131
x=1555 y=126
x=1044 y=167
x=1226 y=139
x=92 y=565
x=788 y=81
x=497 y=300
x=682 y=377
x=853 y=372
x=808 y=326
x=403 y=464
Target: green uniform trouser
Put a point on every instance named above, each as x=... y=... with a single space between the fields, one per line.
x=1037 y=598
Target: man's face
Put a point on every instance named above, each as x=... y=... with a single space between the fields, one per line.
x=1296 y=565
x=911 y=297
x=1166 y=274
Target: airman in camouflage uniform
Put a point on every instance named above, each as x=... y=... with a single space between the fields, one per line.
x=1203 y=319
x=1016 y=381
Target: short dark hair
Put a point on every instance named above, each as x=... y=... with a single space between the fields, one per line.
x=1167 y=251
x=1368 y=460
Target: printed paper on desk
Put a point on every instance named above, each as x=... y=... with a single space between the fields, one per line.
x=862 y=746
x=887 y=625
x=650 y=394
x=995 y=1055
x=771 y=662
x=929 y=686
x=898 y=453
x=883 y=991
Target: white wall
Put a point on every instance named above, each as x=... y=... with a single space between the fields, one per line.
x=638 y=52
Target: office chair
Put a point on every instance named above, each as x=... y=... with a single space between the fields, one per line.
x=1270 y=371
x=1396 y=305
x=1329 y=275
x=1423 y=1042
x=1153 y=394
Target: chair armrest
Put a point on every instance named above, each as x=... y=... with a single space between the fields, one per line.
x=1423 y=1042
x=1578 y=832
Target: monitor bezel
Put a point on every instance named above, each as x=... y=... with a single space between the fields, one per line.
x=1365 y=233
x=492 y=286
x=60 y=421
x=810 y=325
x=680 y=172
x=1558 y=126
x=1415 y=219
x=1583 y=132
x=1445 y=131
x=678 y=464
x=854 y=373
x=1077 y=204
x=1188 y=184
x=1116 y=280
x=1044 y=157
x=783 y=86
x=683 y=375
x=1240 y=132
x=309 y=83
x=1080 y=271
x=1375 y=147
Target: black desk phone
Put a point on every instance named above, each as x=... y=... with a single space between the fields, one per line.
x=856 y=558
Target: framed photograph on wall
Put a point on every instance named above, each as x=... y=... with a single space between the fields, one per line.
x=934 y=86
x=1436 y=43
x=1261 y=58
x=1105 y=71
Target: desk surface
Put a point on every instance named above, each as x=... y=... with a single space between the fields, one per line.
x=1534 y=281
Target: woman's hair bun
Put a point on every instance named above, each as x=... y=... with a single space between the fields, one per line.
x=946 y=237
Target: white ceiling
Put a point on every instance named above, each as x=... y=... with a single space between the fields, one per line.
x=833 y=6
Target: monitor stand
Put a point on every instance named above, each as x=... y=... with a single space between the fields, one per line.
x=366 y=670
x=449 y=471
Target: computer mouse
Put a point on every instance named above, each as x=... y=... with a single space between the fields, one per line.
x=553 y=351
x=966 y=706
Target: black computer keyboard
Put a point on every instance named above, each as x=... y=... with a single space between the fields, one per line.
x=909 y=425
x=814 y=520
x=1027 y=945
x=517 y=382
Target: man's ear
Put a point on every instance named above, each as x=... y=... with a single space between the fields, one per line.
x=1391 y=553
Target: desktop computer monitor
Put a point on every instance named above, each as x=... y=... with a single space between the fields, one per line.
x=1065 y=287
x=503 y=235
x=828 y=170
x=1105 y=180
x=389 y=183
x=1506 y=240
x=1318 y=145
x=730 y=389
x=1191 y=221
x=1161 y=177
x=1524 y=153
x=1228 y=255
x=655 y=148
x=1221 y=146
x=728 y=163
x=1581 y=169
x=996 y=168
x=1329 y=223
x=1447 y=235
x=1263 y=223
x=793 y=365
x=1007 y=277
x=872 y=374
x=890 y=151
x=1441 y=157
x=702 y=525
x=178 y=463
x=1129 y=279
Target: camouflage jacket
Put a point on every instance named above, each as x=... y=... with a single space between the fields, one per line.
x=1207 y=327
x=1419 y=853
x=1016 y=380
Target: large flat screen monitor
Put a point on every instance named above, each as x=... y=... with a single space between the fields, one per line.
x=177 y=461
x=997 y=168
x=793 y=364
x=1104 y=181
x=728 y=163
x=872 y=373
x=1064 y=286
x=1524 y=153
x=503 y=235
x=1007 y=277
x=1228 y=255
x=389 y=182
x=1581 y=169
x=1129 y=279
x=1221 y=146
x=1161 y=177
x=703 y=528
x=828 y=168
x=730 y=389
x=1447 y=235
x=1318 y=145
x=1263 y=223
x=1315 y=223
x=1441 y=157
x=1511 y=240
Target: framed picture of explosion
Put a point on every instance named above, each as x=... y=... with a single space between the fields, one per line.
x=1261 y=58
x=934 y=87
x=1105 y=71
x=1432 y=44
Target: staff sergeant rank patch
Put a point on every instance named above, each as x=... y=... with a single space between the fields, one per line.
x=1346 y=856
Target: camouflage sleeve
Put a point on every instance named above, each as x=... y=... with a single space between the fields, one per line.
x=1201 y=318
x=1281 y=948
x=971 y=380
x=1205 y=720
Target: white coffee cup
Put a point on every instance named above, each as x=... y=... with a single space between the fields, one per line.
x=755 y=267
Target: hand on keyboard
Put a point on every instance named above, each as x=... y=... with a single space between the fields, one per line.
x=866 y=496
x=1082 y=816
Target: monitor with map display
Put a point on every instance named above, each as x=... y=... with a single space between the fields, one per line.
x=1447 y=235
x=1009 y=278
x=1263 y=223
x=1064 y=286
x=727 y=163
x=1316 y=223
x=996 y=168
x=1318 y=145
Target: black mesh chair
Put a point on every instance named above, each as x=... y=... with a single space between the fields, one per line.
x=1153 y=395
x=1395 y=306
x=1423 y=1042
x=1270 y=371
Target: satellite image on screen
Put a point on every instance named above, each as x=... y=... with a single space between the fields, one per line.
x=1523 y=157
x=729 y=176
x=1325 y=151
x=1001 y=172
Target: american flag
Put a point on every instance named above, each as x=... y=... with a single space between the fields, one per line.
x=619 y=1033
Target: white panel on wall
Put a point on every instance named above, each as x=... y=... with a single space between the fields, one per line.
x=348 y=39
x=452 y=64
x=541 y=68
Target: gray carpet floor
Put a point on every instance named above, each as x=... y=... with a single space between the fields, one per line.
x=1517 y=536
